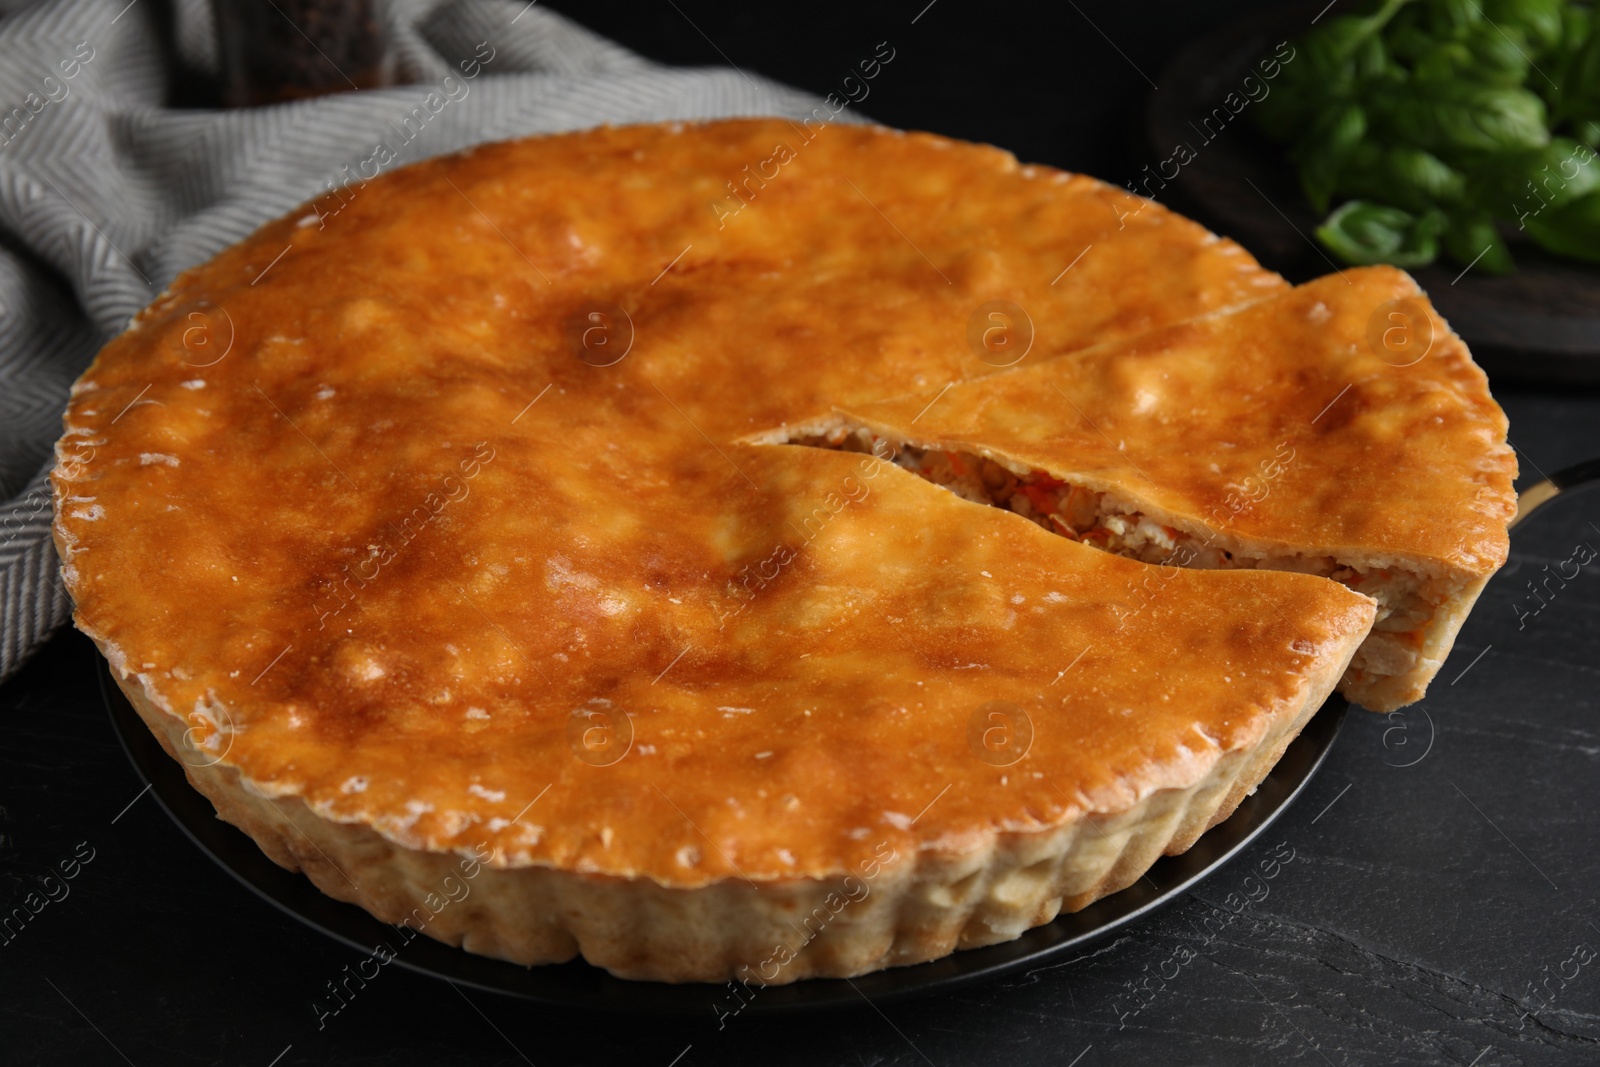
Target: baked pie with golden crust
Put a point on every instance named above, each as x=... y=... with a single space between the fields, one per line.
x=476 y=529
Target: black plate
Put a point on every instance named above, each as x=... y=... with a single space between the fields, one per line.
x=1539 y=324
x=578 y=985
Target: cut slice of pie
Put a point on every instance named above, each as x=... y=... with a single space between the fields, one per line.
x=1338 y=429
x=419 y=527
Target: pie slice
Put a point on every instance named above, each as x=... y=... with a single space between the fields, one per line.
x=1338 y=429
x=419 y=527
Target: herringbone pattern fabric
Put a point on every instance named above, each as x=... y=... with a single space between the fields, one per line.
x=105 y=195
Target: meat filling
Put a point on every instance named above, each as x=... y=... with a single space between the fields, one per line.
x=1406 y=604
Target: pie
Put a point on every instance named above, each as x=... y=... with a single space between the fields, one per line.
x=463 y=535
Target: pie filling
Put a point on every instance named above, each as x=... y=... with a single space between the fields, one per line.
x=1407 y=600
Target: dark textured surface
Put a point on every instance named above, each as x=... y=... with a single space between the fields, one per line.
x=1443 y=912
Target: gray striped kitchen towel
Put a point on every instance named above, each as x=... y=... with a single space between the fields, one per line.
x=105 y=194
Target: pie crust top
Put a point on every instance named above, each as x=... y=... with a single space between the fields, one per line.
x=369 y=503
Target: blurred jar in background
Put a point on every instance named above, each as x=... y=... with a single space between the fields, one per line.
x=270 y=51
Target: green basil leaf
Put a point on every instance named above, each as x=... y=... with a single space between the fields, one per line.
x=1318 y=182
x=1451 y=19
x=1499 y=55
x=1421 y=244
x=1362 y=233
x=1520 y=184
x=1342 y=37
x=1576 y=25
x=1482 y=55
x=1325 y=149
x=1319 y=72
x=1539 y=21
x=1472 y=240
x=1454 y=117
x=1572 y=230
x=1580 y=81
x=1339 y=37
x=1406 y=36
x=1339 y=129
x=1331 y=61
x=1370 y=59
x=1404 y=177
x=1443 y=62
x=1423 y=178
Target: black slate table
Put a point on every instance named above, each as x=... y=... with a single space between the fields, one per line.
x=1431 y=899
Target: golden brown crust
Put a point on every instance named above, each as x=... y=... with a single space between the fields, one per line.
x=398 y=545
